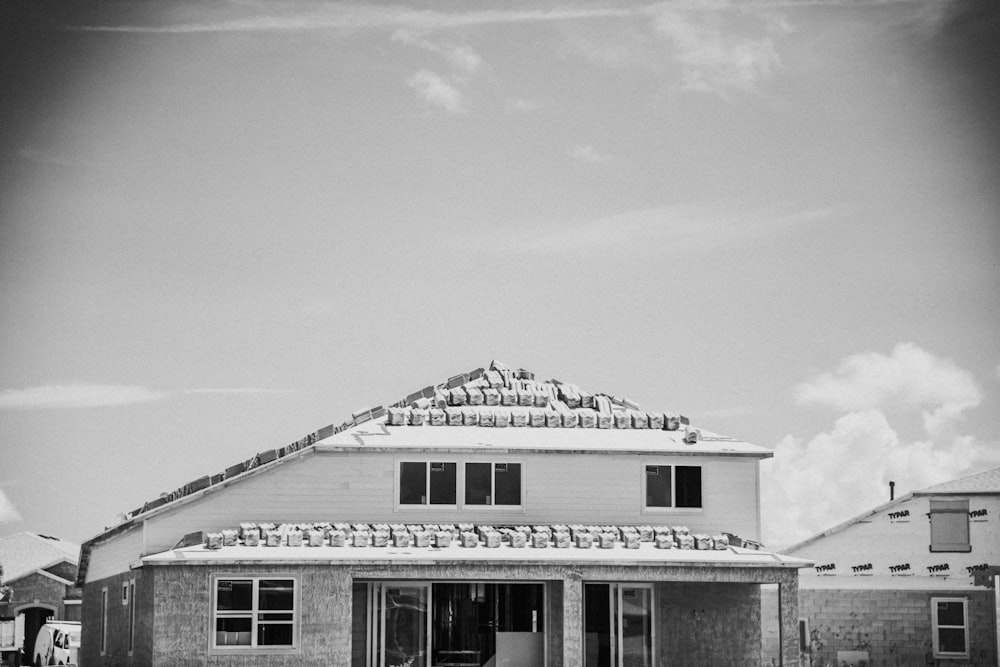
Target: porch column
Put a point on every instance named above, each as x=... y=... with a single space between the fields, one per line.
x=788 y=613
x=572 y=630
x=335 y=629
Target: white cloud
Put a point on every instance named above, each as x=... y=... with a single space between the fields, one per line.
x=239 y=390
x=77 y=396
x=63 y=396
x=346 y=16
x=461 y=57
x=437 y=91
x=519 y=105
x=691 y=226
x=8 y=513
x=713 y=57
x=813 y=484
x=589 y=154
x=909 y=378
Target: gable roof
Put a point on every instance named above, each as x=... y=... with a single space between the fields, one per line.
x=491 y=401
x=24 y=553
x=987 y=482
x=496 y=401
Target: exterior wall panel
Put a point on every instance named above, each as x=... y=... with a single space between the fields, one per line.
x=115 y=555
x=363 y=487
x=900 y=535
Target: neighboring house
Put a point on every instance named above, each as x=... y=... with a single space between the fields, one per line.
x=912 y=582
x=39 y=574
x=489 y=520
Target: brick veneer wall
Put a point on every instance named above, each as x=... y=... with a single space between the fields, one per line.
x=894 y=626
x=32 y=587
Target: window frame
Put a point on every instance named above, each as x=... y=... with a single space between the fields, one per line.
x=295 y=648
x=935 y=627
x=104 y=620
x=427 y=505
x=672 y=508
x=131 y=616
x=492 y=506
x=949 y=507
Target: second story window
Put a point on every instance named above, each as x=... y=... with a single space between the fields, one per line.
x=950 y=525
x=427 y=483
x=669 y=487
x=493 y=484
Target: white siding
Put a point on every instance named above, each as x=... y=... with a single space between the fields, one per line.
x=114 y=556
x=558 y=488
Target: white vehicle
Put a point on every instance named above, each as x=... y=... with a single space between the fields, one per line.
x=58 y=643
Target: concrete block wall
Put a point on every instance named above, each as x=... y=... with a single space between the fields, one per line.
x=708 y=624
x=117 y=649
x=894 y=626
x=182 y=614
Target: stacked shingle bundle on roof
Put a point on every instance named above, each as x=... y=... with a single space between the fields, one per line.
x=500 y=397
x=469 y=536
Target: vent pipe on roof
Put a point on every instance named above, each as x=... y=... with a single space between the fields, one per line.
x=892 y=491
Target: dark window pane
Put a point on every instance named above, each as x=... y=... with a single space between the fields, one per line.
x=951 y=640
x=278 y=634
x=658 y=486
x=478 y=477
x=276 y=594
x=443 y=484
x=233 y=624
x=508 y=484
x=950 y=613
x=413 y=483
x=688 y=486
x=275 y=616
x=234 y=595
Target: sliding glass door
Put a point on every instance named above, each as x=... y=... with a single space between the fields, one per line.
x=456 y=624
x=618 y=625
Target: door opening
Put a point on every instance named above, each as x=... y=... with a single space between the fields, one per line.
x=618 y=625
x=456 y=624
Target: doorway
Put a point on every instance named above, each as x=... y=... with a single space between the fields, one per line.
x=456 y=624
x=31 y=620
x=618 y=625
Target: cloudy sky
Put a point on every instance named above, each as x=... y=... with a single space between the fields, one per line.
x=224 y=225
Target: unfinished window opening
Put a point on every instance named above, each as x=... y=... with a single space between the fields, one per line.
x=949 y=525
x=427 y=483
x=493 y=483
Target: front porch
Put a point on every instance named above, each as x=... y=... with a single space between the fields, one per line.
x=482 y=615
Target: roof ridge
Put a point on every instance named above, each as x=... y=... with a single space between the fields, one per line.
x=942 y=486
